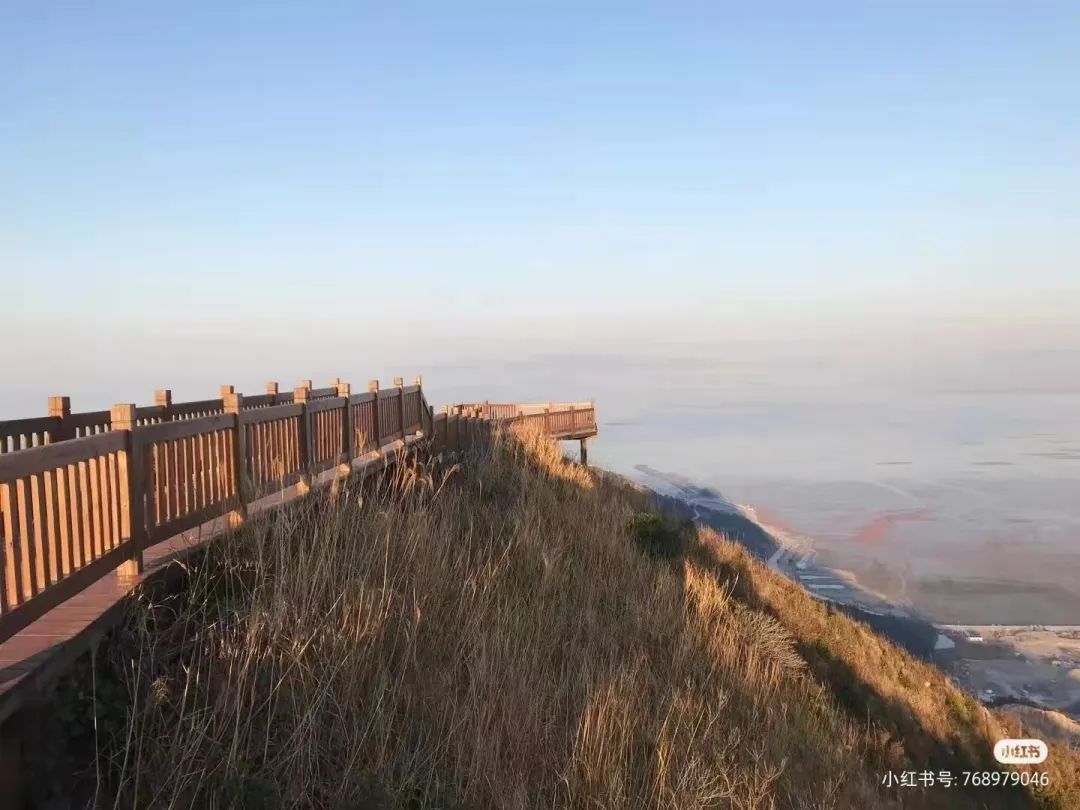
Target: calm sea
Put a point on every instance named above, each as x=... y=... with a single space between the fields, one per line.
x=964 y=503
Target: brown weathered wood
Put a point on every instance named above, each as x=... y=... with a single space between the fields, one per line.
x=270 y=414
x=86 y=508
x=187 y=502
x=376 y=426
x=325 y=404
x=165 y=505
x=75 y=516
x=163 y=399
x=204 y=407
x=18 y=434
x=60 y=410
x=304 y=437
x=96 y=510
x=89 y=423
x=203 y=464
x=40 y=537
x=9 y=587
x=67 y=505
x=131 y=531
x=50 y=526
x=399 y=384
x=48 y=457
x=39 y=605
x=63 y=533
x=106 y=503
x=348 y=428
x=149 y=434
x=234 y=405
x=23 y=546
x=190 y=520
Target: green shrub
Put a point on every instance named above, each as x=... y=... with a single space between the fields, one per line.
x=659 y=535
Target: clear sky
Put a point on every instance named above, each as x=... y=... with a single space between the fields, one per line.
x=195 y=189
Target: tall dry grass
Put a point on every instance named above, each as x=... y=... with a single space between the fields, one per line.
x=485 y=635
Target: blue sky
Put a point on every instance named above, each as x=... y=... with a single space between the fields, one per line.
x=528 y=176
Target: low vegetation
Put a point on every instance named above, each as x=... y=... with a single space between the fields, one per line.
x=520 y=632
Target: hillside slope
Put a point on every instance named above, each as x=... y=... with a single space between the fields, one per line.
x=511 y=633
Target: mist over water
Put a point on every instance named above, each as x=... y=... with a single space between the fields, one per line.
x=942 y=470
x=954 y=488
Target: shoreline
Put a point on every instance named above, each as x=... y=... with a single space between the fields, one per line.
x=792 y=555
x=1028 y=664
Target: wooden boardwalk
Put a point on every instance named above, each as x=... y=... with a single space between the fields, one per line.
x=93 y=506
x=34 y=657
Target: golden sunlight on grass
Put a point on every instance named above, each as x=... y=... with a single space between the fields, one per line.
x=490 y=635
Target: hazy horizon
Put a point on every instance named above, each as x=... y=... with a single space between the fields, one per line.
x=786 y=249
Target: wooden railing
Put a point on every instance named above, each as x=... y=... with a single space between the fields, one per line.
x=571 y=420
x=61 y=424
x=83 y=495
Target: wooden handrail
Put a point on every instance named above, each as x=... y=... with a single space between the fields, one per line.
x=75 y=509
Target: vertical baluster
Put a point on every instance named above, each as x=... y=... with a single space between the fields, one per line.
x=63 y=516
x=10 y=587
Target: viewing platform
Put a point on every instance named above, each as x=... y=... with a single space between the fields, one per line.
x=93 y=505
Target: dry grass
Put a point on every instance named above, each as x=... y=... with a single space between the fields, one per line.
x=489 y=636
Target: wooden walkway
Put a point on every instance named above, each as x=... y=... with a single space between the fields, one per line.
x=138 y=488
x=34 y=657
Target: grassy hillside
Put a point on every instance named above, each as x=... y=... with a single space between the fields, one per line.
x=514 y=633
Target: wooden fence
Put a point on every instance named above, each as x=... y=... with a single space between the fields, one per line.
x=84 y=494
x=570 y=420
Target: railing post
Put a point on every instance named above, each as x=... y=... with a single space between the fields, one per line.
x=448 y=437
x=373 y=387
x=163 y=399
x=399 y=384
x=571 y=418
x=547 y=421
x=132 y=485
x=418 y=381
x=347 y=427
x=234 y=404
x=272 y=392
x=60 y=407
x=301 y=397
x=305 y=384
